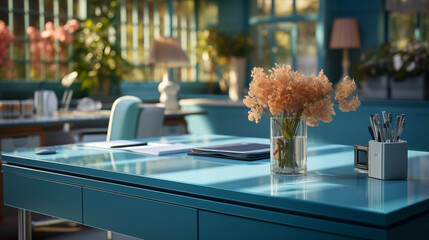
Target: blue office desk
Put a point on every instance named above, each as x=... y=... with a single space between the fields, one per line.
x=190 y=197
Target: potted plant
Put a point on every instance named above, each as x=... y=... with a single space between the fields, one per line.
x=395 y=73
x=373 y=72
x=97 y=56
x=230 y=50
x=409 y=74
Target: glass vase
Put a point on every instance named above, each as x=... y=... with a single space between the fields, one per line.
x=288 y=145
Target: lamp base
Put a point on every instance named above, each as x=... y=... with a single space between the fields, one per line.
x=345 y=63
x=168 y=90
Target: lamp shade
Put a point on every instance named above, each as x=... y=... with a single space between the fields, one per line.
x=345 y=34
x=167 y=52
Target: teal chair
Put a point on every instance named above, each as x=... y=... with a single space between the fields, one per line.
x=130 y=120
x=123 y=118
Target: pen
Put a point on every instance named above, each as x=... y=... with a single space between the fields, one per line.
x=379 y=128
x=395 y=135
x=374 y=129
x=384 y=115
x=129 y=145
x=400 y=130
x=399 y=127
x=384 y=130
x=371 y=133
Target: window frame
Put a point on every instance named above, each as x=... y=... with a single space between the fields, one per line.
x=294 y=19
x=418 y=31
x=171 y=29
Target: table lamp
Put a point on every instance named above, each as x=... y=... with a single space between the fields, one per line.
x=67 y=81
x=167 y=52
x=345 y=35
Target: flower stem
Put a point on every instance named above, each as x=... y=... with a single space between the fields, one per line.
x=285 y=146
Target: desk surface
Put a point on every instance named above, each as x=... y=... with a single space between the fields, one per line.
x=332 y=189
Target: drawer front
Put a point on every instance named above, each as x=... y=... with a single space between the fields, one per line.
x=43 y=196
x=219 y=226
x=138 y=217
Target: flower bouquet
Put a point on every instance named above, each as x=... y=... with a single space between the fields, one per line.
x=292 y=100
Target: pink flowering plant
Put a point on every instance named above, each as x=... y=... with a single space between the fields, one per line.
x=44 y=45
x=288 y=96
x=6 y=38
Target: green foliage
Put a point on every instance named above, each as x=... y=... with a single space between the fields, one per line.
x=223 y=46
x=96 y=54
x=411 y=61
x=374 y=63
x=396 y=63
x=232 y=46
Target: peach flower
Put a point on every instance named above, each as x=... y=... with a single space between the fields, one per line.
x=285 y=92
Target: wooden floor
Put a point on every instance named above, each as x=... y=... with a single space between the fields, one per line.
x=63 y=231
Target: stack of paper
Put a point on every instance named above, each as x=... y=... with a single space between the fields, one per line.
x=160 y=148
x=238 y=151
x=115 y=144
x=142 y=147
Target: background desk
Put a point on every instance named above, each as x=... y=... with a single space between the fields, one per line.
x=32 y=132
x=36 y=131
x=191 y=197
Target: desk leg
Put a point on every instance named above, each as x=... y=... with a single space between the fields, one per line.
x=24 y=224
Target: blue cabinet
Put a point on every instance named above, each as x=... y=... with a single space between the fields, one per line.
x=221 y=226
x=138 y=217
x=43 y=196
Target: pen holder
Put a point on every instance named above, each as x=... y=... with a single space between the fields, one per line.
x=388 y=160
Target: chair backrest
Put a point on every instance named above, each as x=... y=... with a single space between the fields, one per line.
x=150 y=122
x=123 y=118
x=129 y=120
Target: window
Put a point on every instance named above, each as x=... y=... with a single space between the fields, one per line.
x=406 y=27
x=138 y=22
x=141 y=21
x=19 y=15
x=284 y=32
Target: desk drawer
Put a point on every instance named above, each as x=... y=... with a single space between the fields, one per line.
x=138 y=217
x=44 y=196
x=219 y=226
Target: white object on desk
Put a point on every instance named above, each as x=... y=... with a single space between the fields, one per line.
x=114 y=144
x=160 y=148
x=388 y=160
x=138 y=147
x=46 y=102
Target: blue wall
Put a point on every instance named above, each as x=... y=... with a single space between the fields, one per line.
x=346 y=128
x=234 y=15
x=372 y=28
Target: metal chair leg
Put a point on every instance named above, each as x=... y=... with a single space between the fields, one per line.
x=24 y=224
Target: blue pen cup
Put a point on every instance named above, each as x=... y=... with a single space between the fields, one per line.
x=388 y=160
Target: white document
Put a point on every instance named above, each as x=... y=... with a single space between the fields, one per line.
x=160 y=148
x=115 y=144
